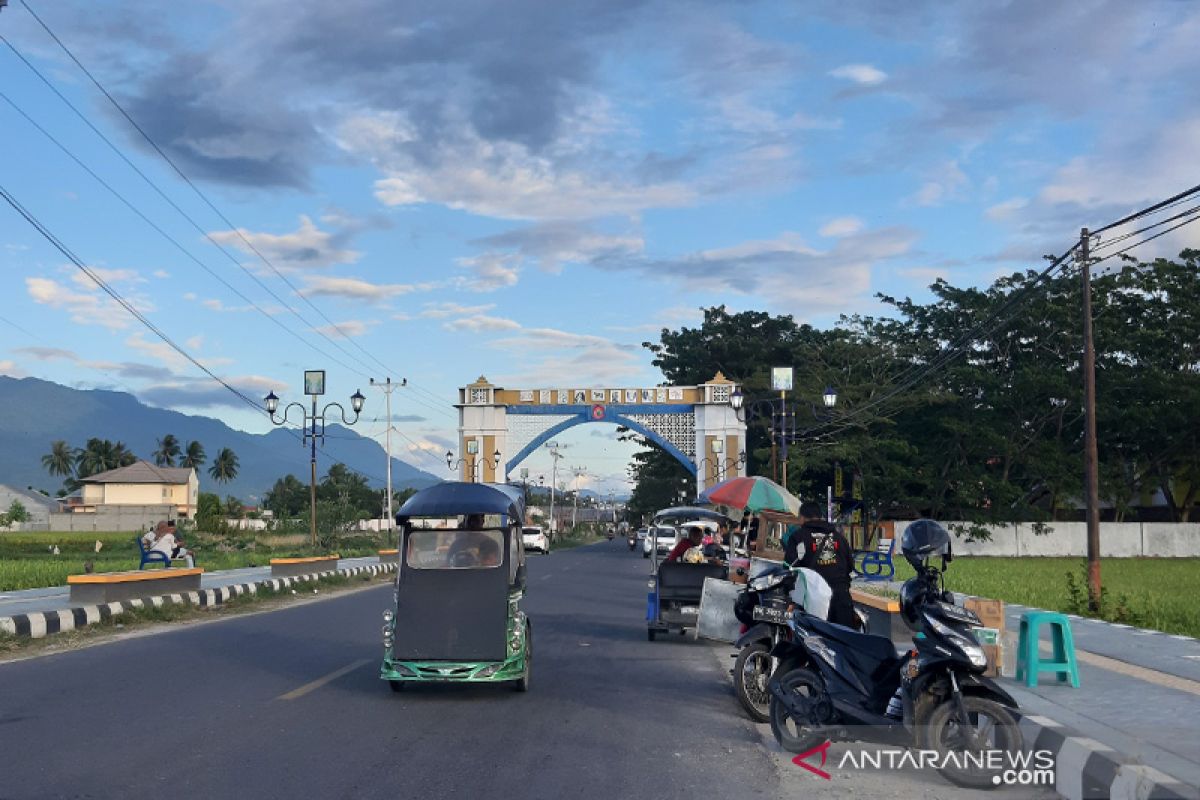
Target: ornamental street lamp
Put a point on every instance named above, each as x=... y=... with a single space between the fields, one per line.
x=313 y=428
x=473 y=461
x=783 y=428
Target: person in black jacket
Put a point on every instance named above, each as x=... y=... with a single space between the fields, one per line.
x=819 y=546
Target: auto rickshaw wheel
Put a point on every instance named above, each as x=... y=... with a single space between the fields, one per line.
x=397 y=686
x=521 y=684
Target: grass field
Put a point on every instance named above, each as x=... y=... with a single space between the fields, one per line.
x=1158 y=593
x=27 y=561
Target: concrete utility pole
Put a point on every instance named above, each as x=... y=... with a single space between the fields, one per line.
x=1090 y=456
x=575 y=511
x=554 y=454
x=387 y=387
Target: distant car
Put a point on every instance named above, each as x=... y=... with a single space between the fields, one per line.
x=535 y=538
x=666 y=535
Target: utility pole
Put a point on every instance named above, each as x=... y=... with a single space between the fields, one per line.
x=554 y=454
x=1090 y=456
x=387 y=387
x=575 y=510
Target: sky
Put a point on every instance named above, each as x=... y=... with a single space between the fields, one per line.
x=529 y=190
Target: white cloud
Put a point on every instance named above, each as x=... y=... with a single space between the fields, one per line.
x=195 y=342
x=862 y=74
x=347 y=329
x=109 y=276
x=492 y=271
x=444 y=310
x=10 y=368
x=498 y=178
x=85 y=308
x=946 y=183
x=841 y=226
x=308 y=247
x=1006 y=209
x=161 y=273
x=550 y=245
x=354 y=288
x=481 y=322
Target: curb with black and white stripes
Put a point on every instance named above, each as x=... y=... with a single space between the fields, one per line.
x=43 y=623
x=1085 y=769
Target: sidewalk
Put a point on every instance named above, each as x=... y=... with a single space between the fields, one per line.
x=1138 y=696
x=54 y=599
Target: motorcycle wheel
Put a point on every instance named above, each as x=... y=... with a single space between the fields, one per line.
x=992 y=727
x=751 y=672
x=793 y=736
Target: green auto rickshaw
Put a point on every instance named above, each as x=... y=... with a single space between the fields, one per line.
x=457 y=615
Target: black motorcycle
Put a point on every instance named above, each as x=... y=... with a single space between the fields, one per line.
x=763 y=607
x=833 y=683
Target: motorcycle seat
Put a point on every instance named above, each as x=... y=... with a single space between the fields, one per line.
x=877 y=648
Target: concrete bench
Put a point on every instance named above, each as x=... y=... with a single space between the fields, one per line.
x=389 y=556
x=292 y=567
x=883 y=617
x=109 y=587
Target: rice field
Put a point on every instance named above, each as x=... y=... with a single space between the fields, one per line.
x=1158 y=593
x=28 y=561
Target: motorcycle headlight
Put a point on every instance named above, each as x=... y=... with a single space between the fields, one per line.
x=970 y=649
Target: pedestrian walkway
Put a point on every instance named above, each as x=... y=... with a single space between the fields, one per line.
x=1138 y=691
x=57 y=598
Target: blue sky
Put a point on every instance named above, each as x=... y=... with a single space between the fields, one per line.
x=530 y=190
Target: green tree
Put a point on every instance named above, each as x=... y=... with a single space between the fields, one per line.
x=209 y=513
x=194 y=456
x=287 y=499
x=225 y=466
x=60 y=461
x=233 y=507
x=168 y=450
x=17 y=512
x=101 y=455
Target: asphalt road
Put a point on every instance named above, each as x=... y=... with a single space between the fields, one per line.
x=289 y=704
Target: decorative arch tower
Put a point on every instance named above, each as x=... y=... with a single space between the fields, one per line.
x=695 y=424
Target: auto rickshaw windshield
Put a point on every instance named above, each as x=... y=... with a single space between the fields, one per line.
x=455 y=549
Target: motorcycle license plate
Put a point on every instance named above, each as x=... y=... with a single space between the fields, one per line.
x=689 y=610
x=770 y=614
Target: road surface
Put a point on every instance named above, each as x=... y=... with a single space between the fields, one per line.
x=288 y=703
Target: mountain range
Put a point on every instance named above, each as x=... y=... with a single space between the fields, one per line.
x=37 y=412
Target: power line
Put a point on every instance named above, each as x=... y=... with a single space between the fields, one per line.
x=175 y=242
x=1138 y=214
x=199 y=193
x=132 y=310
x=1131 y=234
x=235 y=229
x=1148 y=239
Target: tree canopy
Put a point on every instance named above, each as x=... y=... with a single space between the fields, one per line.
x=994 y=434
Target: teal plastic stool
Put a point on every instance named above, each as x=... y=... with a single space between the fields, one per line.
x=1029 y=661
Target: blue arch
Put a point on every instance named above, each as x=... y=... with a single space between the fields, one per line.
x=581 y=415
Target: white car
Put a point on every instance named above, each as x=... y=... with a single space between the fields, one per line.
x=667 y=536
x=534 y=538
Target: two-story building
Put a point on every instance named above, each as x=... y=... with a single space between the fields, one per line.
x=140 y=485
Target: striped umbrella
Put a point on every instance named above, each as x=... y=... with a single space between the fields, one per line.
x=754 y=492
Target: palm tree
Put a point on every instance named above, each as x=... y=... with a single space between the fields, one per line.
x=123 y=455
x=167 y=452
x=60 y=461
x=95 y=457
x=225 y=467
x=194 y=456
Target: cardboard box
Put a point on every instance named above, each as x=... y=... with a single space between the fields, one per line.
x=995 y=658
x=990 y=612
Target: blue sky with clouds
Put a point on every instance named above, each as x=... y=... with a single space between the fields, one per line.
x=529 y=190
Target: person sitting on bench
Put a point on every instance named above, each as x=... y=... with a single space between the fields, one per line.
x=165 y=542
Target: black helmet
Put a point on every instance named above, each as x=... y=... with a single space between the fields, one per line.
x=911 y=595
x=923 y=540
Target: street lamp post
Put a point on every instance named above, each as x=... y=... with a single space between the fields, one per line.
x=473 y=464
x=783 y=427
x=314 y=428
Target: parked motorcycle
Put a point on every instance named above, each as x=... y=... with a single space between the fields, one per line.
x=836 y=684
x=763 y=607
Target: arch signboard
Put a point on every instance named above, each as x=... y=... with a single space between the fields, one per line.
x=695 y=424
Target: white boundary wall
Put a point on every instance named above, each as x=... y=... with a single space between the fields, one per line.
x=1117 y=540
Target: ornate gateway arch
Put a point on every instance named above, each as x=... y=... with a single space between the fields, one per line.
x=695 y=424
